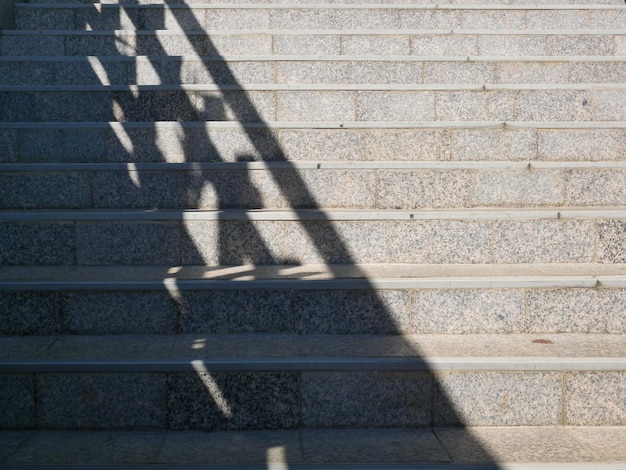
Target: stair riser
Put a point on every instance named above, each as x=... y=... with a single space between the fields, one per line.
x=353 y=2
x=159 y=144
x=189 y=18
x=156 y=72
x=269 y=242
x=596 y=105
x=343 y=311
x=324 y=189
x=229 y=401
x=129 y=44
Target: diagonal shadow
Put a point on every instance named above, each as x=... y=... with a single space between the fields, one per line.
x=220 y=401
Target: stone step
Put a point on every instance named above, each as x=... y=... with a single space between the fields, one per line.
x=541 y=299
x=513 y=448
x=33 y=16
x=296 y=103
x=77 y=238
x=477 y=3
x=320 y=141
x=200 y=382
x=146 y=70
x=322 y=185
x=428 y=42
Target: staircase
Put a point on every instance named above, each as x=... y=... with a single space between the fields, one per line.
x=327 y=234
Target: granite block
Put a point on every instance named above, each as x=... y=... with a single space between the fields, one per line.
x=145 y=145
x=316 y=189
x=234 y=401
x=37 y=19
x=407 y=144
x=156 y=72
x=597 y=72
x=322 y=144
x=444 y=44
x=544 y=241
x=315 y=106
x=512 y=45
x=466 y=105
x=576 y=311
x=620 y=45
x=233 y=20
x=110 y=243
x=215 y=72
x=499 y=399
x=611 y=241
x=372 y=399
x=88 y=448
x=607 y=19
x=595 y=398
x=17 y=401
x=494 y=19
x=302 y=19
x=440 y=241
x=101 y=401
x=174 y=19
x=345 y=242
x=292 y=72
x=351 y=312
x=53 y=191
x=150 y=105
x=237 y=311
x=430 y=19
x=369 y=445
x=139 y=189
x=386 y=72
x=10 y=441
x=605 y=441
x=37 y=243
x=489 y=444
x=30 y=313
x=232 y=447
x=232 y=242
x=519 y=188
x=124 y=44
x=395 y=106
x=84 y=145
x=110 y=19
x=26 y=73
x=73 y=106
x=423 y=189
x=596 y=188
x=366 y=19
x=494 y=144
x=580 y=45
x=118 y=313
x=468 y=311
x=112 y=347
x=231 y=145
x=32 y=45
x=189 y=44
x=237 y=44
x=533 y=72
x=18 y=107
x=354 y=44
x=42 y=145
x=581 y=145
x=609 y=105
x=294 y=44
x=557 y=19
x=459 y=72
x=557 y=105
x=251 y=106
x=8 y=146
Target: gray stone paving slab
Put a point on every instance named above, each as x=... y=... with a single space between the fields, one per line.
x=368 y=445
x=511 y=45
x=385 y=72
x=234 y=447
x=375 y=45
x=563 y=45
x=476 y=105
x=494 y=19
x=544 y=241
x=41 y=19
x=17 y=107
x=520 y=444
x=407 y=144
x=111 y=243
x=323 y=144
x=611 y=239
x=476 y=345
x=53 y=191
x=620 y=45
x=557 y=105
x=87 y=448
x=597 y=72
x=233 y=401
x=459 y=72
x=375 y=399
x=581 y=344
x=595 y=398
x=237 y=19
x=424 y=189
x=430 y=19
x=23 y=347
x=499 y=398
x=351 y=312
x=493 y=144
x=312 y=72
x=315 y=106
x=231 y=145
x=395 y=105
x=595 y=188
x=366 y=19
x=26 y=73
x=103 y=19
x=42 y=145
x=515 y=188
x=24 y=313
x=436 y=45
x=240 y=311
x=468 y=311
x=101 y=401
x=615 y=19
x=583 y=145
x=609 y=105
x=287 y=44
x=138 y=346
x=538 y=72
x=80 y=45
x=17 y=401
x=607 y=442
x=32 y=45
x=555 y=19
x=302 y=19
x=8 y=146
x=10 y=441
x=143 y=145
x=37 y=243
x=236 y=43
x=84 y=145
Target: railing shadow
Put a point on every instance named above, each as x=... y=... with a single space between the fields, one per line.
x=226 y=395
